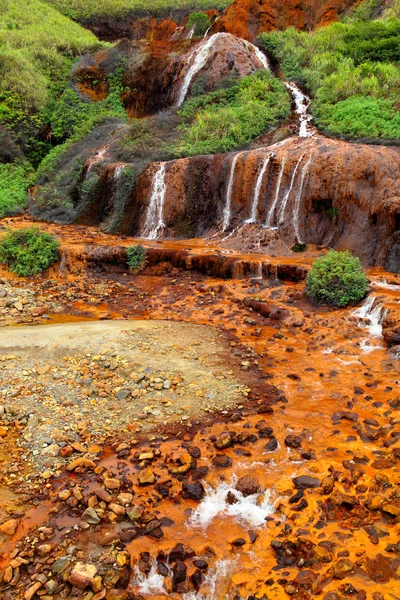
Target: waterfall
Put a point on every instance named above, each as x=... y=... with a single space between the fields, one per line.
x=198 y=57
x=154 y=218
x=191 y=33
x=260 y=55
x=299 y=195
x=61 y=268
x=149 y=583
x=228 y=200
x=117 y=172
x=370 y=316
x=270 y=217
x=281 y=214
x=211 y=25
x=96 y=158
x=254 y=206
x=302 y=104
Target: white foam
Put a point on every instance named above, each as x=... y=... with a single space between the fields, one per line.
x=149 y=583
x=154 y=223
x=250 y=510
x=370 y=316
x=215 y=583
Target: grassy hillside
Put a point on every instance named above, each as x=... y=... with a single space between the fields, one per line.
x=86 y=9
x=351 y=70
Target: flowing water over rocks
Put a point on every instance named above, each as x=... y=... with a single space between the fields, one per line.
x=127 y=474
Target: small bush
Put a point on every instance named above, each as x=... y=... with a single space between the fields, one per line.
x=136 y=258
x=337 y=279
x=28 y=251
x=200 y=22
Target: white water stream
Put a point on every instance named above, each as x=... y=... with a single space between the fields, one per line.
x=302 y=104
x=228 y=198
x=370 y=316
x=154 y=223
x=257 y=190
x=200 y=55
x=270 y=216
x=299 y=196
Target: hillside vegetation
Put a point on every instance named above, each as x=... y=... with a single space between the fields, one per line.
x=351 y=70
x=81 y=10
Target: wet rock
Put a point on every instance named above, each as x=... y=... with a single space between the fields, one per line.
x=346 y=415
x=9 y=527
x=342 y=568
x=82 y=575
x=293 y=441
x=146 y=477
x=224 y=440
x=90 y=516
x=181 y=552
x=304 y=482
x=31 y=591
x=221 y=461
x=179 y=573
x=248 y=485
x=271 y=445
x=238 y=542
x=193 y=491
x=197 y=578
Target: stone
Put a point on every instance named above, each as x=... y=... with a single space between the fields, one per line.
x=82 y=575
x=9 y=527
x=193 y=491
x=293 y=441
x=342 y=568
x=90 y=516
x=224 y=440
x=146 y=477
x=112 y=483
x=31 y=591
x=248 y=485
x=304 y=482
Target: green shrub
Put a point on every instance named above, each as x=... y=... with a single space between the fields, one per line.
x=225 y=119
x=199 y=22
x=136 y=257
x=28 y=251
x=337 y=279
x=14 y=180
x=351 y=70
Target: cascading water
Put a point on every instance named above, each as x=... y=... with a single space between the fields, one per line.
x=251 y=510
x=270 y=216
x=261 y=57
x=216 y=583
x=154 y=223
x=96 y=158
x=228 y=199
x=282 y=208
x=256 y=197
x=118 y=171
x=149 y=583
x=302 y=104
x=197 y=59
x=370 y=316
x=299 y=196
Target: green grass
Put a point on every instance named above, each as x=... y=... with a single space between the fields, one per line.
x=36 y=42
x=28 y=251
x=226 y=119
x=86 y=9
x=14 y=180
x=337 y=279
x=352 y=71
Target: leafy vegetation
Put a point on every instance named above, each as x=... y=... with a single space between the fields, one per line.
x=14 y=180
x=37 y=44
x=136 y=257
x=28 y=251
x=337 y=279
x=225 y=119
x=199 y=22
x=80 y=10
x=351 y=70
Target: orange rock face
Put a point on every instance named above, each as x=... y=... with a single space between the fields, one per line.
x=248 y=18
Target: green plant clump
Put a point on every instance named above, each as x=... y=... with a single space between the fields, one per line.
x=28 y=251
x=228 y=118
x=136 y=258
x=337 y=279
x=199 y=22
x=86 y=9
x=351 y=70
x=14 y=179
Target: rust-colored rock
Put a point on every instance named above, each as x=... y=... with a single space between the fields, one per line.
x=248 y=18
